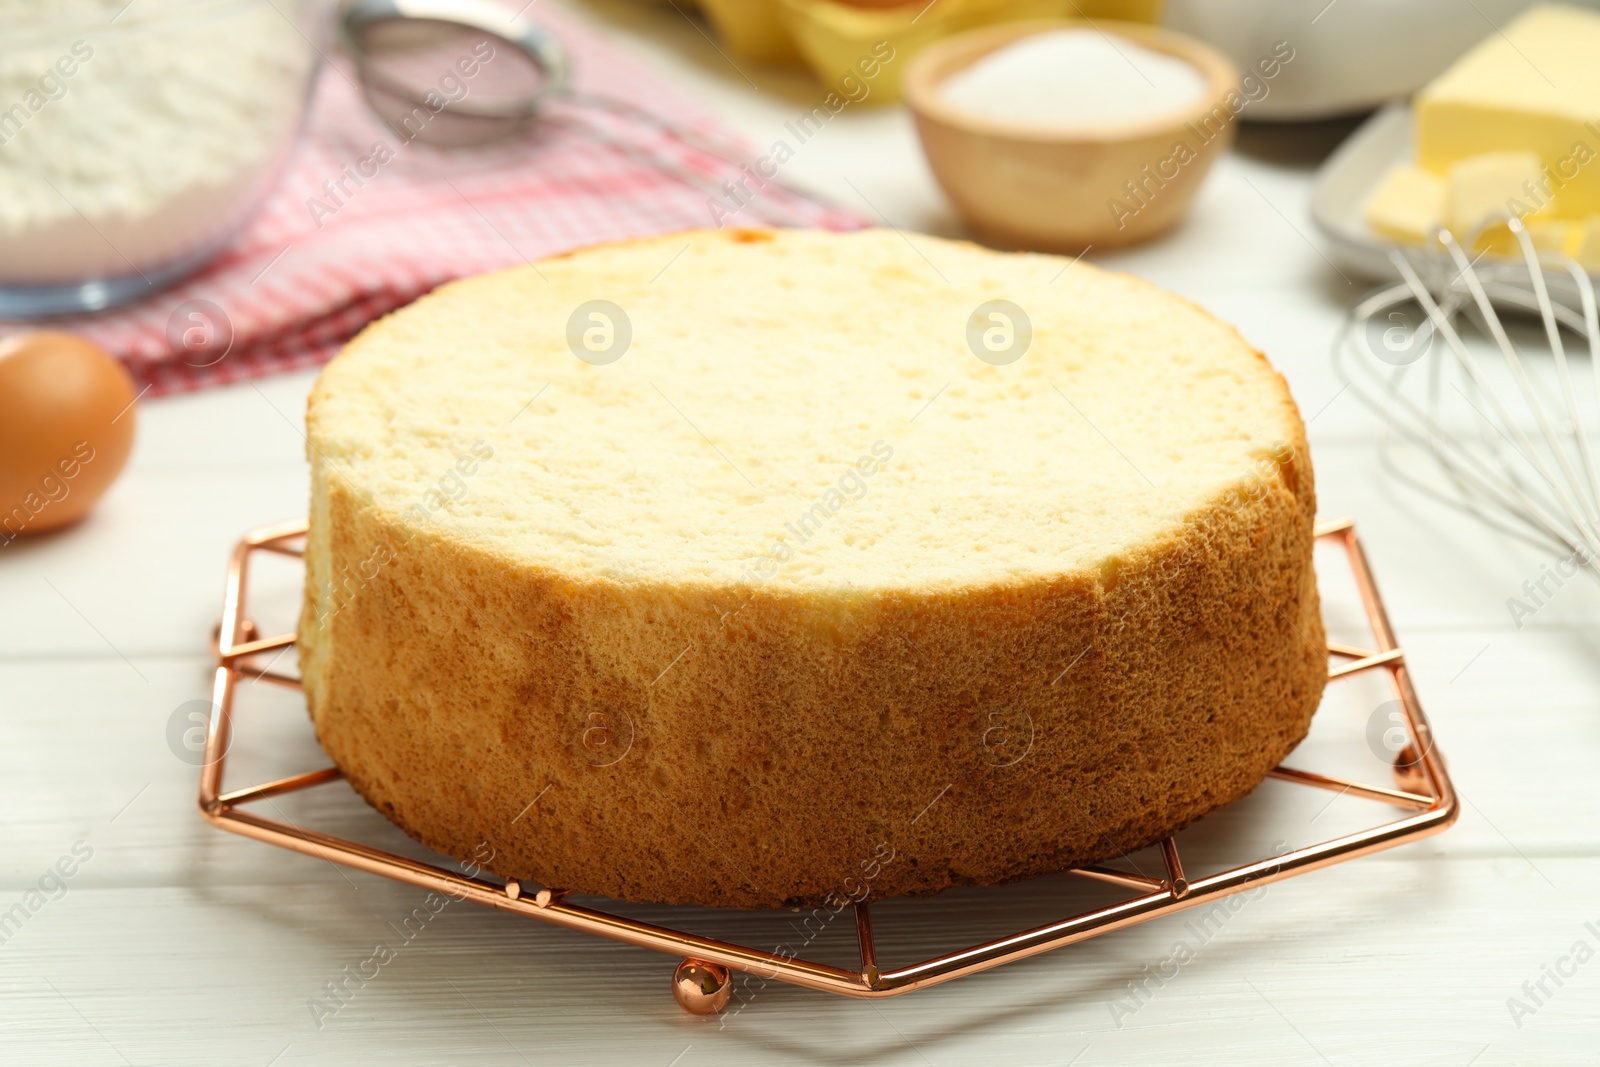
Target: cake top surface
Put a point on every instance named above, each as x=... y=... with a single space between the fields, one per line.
x=807 y=410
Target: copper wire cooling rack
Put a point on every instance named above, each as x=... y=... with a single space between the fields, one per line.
x=702 y=982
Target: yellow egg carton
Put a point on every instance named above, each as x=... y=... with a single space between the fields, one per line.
x=842 y=43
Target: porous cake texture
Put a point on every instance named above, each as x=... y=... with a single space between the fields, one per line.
x=780 y=568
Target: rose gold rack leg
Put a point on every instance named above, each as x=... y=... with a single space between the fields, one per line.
x=1332 y=527
x=264 y=644
x=1341 y=785
x=869 y=953
x=1430 y=765
x=280 y=787
x=702 y=983
x=1366 y=663
x=218 y=732
x=1125 y=879
x=1177 y=884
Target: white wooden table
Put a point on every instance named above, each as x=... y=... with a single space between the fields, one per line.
x=172 y=943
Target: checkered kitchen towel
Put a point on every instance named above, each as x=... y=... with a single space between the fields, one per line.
x=293 y=286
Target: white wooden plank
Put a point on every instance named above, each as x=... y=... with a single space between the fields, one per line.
x=1415 y=967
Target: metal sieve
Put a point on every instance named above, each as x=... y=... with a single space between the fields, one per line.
x=452 y=72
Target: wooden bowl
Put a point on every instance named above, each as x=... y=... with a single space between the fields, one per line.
x=1062 y=190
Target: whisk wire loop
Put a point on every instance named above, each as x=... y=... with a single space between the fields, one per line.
x=1503 y=430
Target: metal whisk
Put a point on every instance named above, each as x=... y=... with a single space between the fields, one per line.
x=1486 y=427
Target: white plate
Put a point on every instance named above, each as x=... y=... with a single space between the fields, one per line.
x=1345 y=182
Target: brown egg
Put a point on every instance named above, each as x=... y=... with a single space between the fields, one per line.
x=66 y=426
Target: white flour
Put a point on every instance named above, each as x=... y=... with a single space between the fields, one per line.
x=127 y=145
x=1074 y=78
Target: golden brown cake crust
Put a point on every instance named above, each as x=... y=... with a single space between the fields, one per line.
x=912 y=741
x=1177 y=697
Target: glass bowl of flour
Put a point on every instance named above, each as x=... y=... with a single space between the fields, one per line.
x=137 y=137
